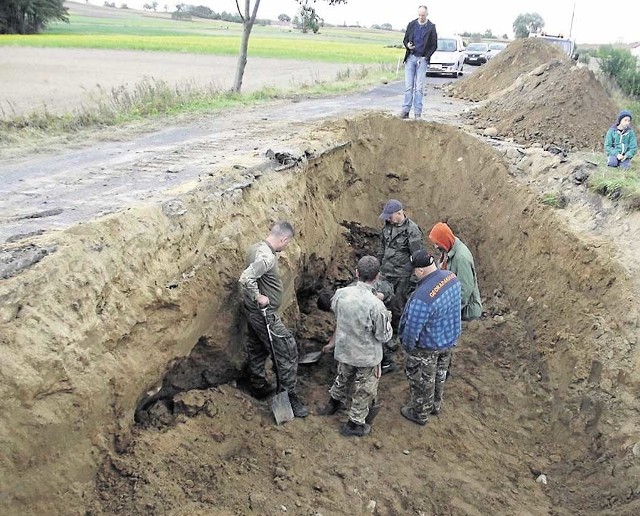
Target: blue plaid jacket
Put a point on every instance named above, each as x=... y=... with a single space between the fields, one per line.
x=431 y=318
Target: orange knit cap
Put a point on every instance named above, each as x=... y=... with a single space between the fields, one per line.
x=442 y=236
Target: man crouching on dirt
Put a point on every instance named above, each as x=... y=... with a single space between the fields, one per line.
x=261 y=287
x=429 y=328
x=363 y=325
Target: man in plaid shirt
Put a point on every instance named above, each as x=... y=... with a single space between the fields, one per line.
x=429 y=329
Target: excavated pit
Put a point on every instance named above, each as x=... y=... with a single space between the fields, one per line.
x=544 y=383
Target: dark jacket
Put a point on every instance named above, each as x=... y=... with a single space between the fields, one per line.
x=397 y=243
x=430 y=42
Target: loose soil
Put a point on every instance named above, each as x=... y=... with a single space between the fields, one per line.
x=533 y=93
x=518 y=59
x=122 y=347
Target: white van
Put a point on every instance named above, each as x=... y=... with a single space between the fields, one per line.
x=448 y=59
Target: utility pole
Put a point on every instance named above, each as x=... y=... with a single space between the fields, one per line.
x=572 y=15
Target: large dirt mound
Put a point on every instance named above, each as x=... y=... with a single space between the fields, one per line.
x=555 y=104
x=519 y=58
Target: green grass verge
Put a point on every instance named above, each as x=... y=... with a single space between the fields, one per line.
x=555 y=200
x=616 y=183
x=154 y=98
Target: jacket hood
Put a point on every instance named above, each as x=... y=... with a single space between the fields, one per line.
x=442 y=236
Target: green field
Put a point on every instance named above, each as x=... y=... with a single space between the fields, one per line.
x=369 y=55
x=134 y=30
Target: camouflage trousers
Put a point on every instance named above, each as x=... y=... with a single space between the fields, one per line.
x=364 y=383
x=402 y=288
x=284 y=346
x=426 y=371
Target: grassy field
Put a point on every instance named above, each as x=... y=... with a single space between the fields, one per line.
x=134 y=30
x=369 y=54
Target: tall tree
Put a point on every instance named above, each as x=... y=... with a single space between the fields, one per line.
x=29 y=16
x=248 y=15
x=526 y=23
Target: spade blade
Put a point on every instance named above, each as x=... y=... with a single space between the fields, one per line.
x=281 y=407
x=310 y=358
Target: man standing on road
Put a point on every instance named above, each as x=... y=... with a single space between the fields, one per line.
x=363 y=325
x=420 y=41
x=261 y=287
x=429 y=329
x=457 y=258
x=400 y=237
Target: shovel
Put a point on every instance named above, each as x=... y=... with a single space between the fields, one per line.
x=280 y=403
x=310 y=358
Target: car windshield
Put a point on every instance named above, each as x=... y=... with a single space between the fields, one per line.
x=563 y=44
x=497 y=46
x=447 y=45
x=477 y=47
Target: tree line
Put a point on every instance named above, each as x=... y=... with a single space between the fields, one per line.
x=30 y=16
x=202 y=11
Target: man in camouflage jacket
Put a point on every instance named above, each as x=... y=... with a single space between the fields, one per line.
x=362 y=326
x=400 y=238
x=261 y=287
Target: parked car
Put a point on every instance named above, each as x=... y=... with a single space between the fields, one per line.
x=496 y=48
x=477 y=53
x=567 y=45
x=448 y=59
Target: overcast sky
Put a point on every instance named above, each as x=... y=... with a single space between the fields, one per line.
x=613 y=21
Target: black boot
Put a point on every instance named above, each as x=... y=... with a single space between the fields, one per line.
x=388 y=367
x=351 y=428
x=299 y=408
x=373 y=412
x=262 y=391
x=408 y=413
x=331 y=407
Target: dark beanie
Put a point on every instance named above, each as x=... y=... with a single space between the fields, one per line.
x=623 y=113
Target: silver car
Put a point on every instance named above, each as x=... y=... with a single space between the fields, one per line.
x=496 y=48
x=477 y=53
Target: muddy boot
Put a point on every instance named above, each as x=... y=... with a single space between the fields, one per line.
x=373 y=412
x=262 y=391
x=330 y=408
x=299 y=408
x=393 y=345
x=435 y=410
x=351 y=428
x=408 y=413
x=388 y=366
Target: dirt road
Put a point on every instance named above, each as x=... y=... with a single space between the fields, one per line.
x=55 y=190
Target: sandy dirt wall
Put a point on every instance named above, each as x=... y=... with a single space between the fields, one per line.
x=91 y=328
